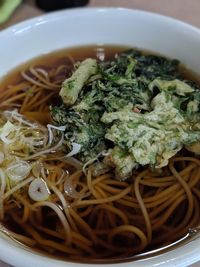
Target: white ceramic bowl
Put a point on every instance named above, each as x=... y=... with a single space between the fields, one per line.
x=120 y=26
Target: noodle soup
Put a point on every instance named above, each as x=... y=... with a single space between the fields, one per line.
x=82 y=207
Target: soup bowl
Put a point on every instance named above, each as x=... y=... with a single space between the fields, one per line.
x=100 y=26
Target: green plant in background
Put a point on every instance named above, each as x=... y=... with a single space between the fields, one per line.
x=7 y=7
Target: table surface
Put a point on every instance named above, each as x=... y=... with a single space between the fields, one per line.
x=185 y=10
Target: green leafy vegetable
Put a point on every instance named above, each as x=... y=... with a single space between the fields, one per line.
x=136 y=107
x=153 y=137
x=72 y=86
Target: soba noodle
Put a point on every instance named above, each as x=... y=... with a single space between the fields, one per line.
x=93 y=217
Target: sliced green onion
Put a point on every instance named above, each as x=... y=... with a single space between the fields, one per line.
x=75 y=149
x=38 y=190
x=18 y=171
x=37 y=169
x=2 y=156
x=6 y=130
x=2 y=190
x=50 y=127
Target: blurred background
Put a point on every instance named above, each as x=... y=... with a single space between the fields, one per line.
x=12 y=11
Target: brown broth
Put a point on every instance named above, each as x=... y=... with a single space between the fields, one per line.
x=62 y=57
x=79 y=53
x=101 y=53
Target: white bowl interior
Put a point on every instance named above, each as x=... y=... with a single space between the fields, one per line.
x=99 y=26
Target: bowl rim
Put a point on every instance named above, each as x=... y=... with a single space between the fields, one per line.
x=22 y=254
x=54 y=15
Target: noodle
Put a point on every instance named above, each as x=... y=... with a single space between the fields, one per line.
x=98 y=217
x=142 y=206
